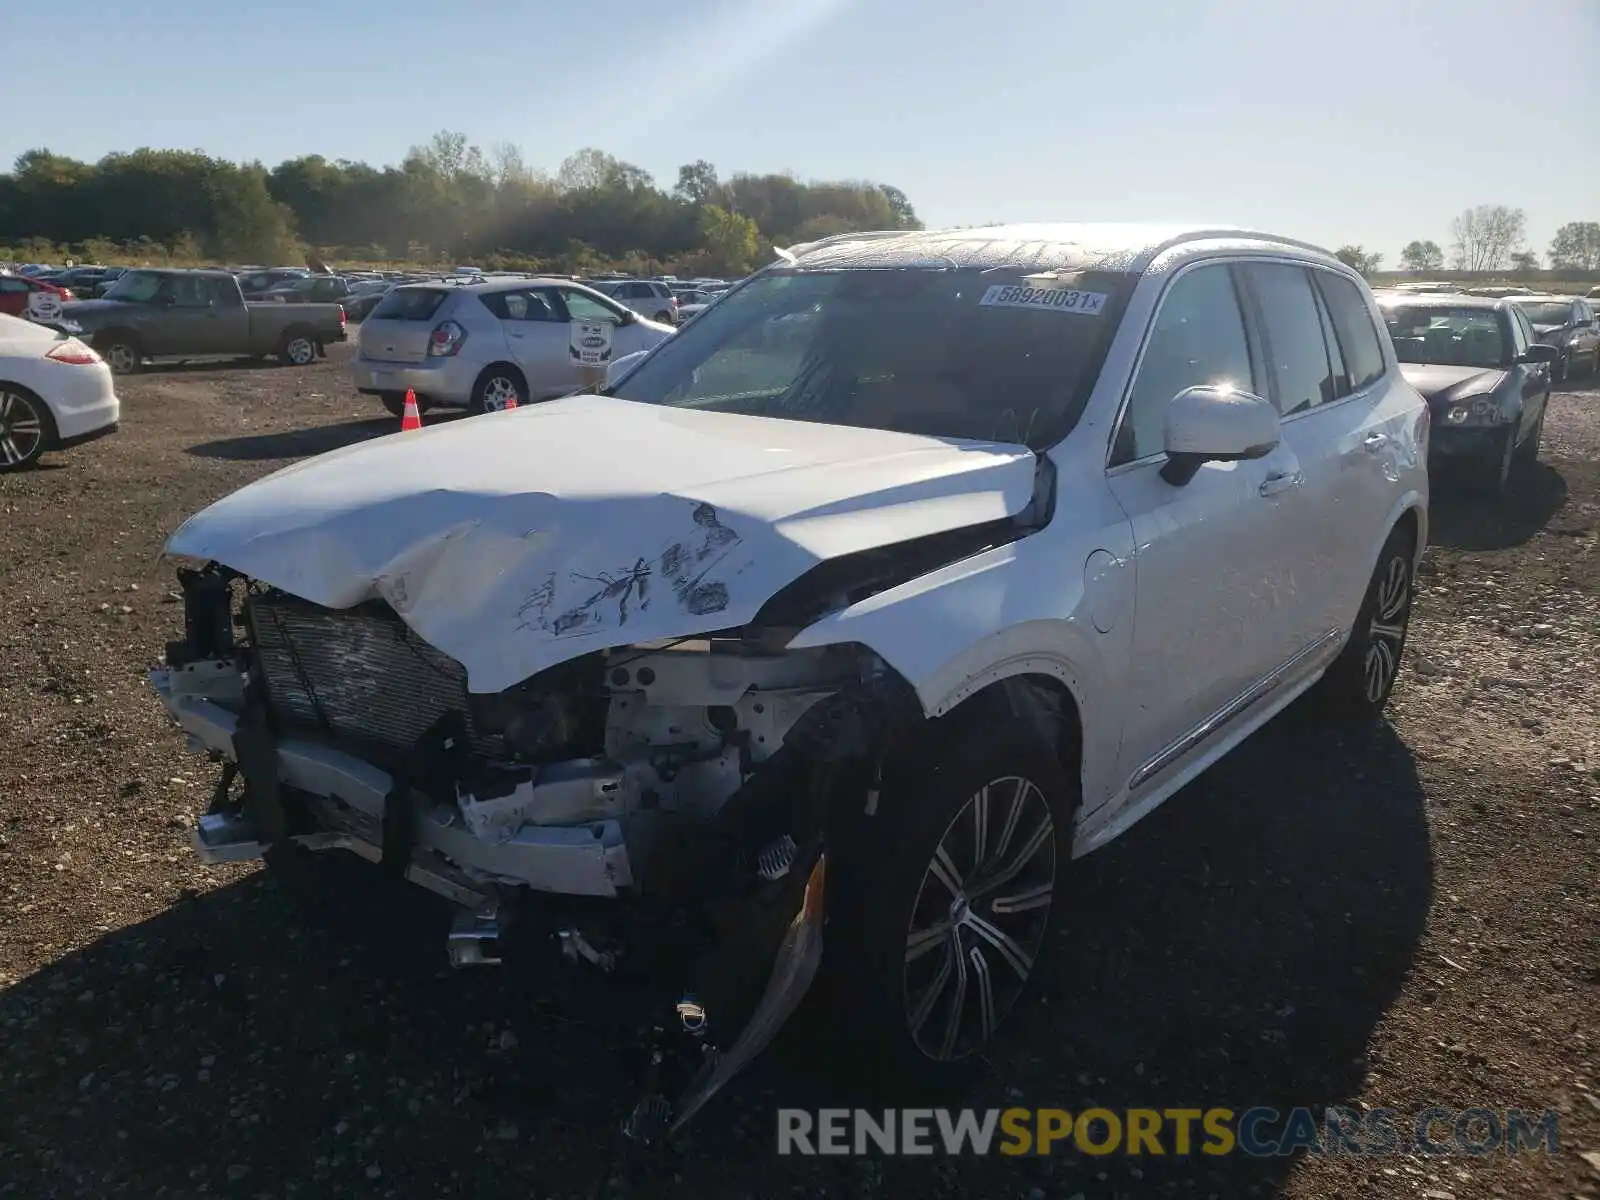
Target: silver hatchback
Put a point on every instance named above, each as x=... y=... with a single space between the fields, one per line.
x=478 y=345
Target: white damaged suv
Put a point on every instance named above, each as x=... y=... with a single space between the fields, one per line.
x=824 y=639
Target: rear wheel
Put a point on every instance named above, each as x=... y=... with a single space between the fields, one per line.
x=297 y=349
x=664 y=318
x=121 y=352
x=26 y=428
x=1357 y=685
x=498 y=388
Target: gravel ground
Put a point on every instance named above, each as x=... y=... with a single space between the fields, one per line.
x=1401 y=919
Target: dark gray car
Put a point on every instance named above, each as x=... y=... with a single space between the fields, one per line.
x=1567 y=323
x=1485 y=378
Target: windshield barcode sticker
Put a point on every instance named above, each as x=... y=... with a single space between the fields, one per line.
x=1011 y=295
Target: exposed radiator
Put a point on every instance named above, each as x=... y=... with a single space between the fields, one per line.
x=357 y=675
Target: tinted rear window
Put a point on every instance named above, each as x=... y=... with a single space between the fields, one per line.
x=1546 y=312
x=1357 y=336
x=410 y=304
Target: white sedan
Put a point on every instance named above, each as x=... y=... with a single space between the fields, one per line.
x=55 y=392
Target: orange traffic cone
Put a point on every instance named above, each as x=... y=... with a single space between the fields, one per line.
x=511 y=402
x=412 y=419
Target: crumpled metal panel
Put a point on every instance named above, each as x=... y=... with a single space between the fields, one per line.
x=515 y=541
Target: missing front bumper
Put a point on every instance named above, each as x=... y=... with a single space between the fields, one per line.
x=229 y=838
x=573 y=860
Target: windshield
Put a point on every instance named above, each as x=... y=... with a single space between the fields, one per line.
x=1455 y=337
x=138 y=287
x=1546 y=312
x=990 y=356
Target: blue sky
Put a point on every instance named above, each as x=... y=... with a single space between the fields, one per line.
x=1368 y=121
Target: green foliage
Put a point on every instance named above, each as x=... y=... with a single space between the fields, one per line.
x=1359 y=259
x=446 y=202
x=1422 y=255
x=731 y=241
x=1576 y=246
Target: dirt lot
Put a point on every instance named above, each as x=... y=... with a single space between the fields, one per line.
x=1402 y=919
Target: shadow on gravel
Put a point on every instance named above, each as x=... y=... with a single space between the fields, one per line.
x=1235 y=949
x=298 y=443
x=1460 y=521
x=201 y=366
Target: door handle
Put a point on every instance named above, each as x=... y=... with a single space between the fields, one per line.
x=1274 y=485
x=1375 y=441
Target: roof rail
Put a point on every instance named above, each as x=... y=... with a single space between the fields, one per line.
x=791 y=253
x=1235 y=231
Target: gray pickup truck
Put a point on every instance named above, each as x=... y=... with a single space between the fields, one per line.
x=155 y=314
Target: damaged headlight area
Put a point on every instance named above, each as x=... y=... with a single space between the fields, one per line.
x=659 y=808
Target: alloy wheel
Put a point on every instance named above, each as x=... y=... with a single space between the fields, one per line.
x=301 y=351
x=21 y=430
x=1387 y=629
x=122 y=358
x=498 y=393
x=980 y=918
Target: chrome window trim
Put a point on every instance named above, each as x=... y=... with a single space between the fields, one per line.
x=1230 y=259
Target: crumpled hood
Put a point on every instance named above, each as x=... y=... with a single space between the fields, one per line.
x=1441 y=384
x=514 y=541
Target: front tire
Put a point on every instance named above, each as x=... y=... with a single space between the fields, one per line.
x=943 y=917
x=1357 y=686
x=26 y=428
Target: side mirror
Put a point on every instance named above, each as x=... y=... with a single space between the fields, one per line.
x=1540 y=353
x=618 y=367
x=1216 y=424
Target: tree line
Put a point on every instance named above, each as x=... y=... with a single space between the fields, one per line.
x=447 y=201
x=1490 y=237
